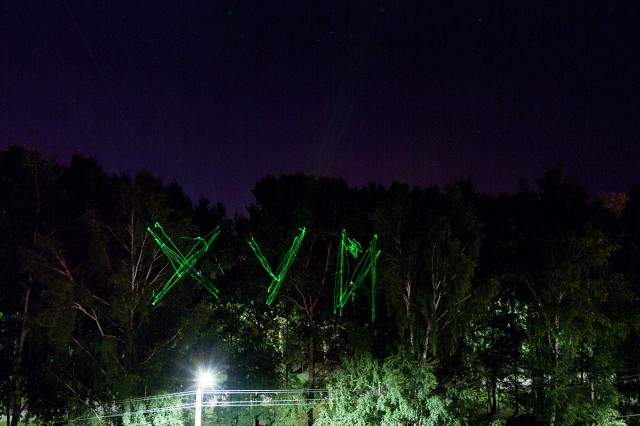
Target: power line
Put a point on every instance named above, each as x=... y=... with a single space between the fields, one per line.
x=216 y=403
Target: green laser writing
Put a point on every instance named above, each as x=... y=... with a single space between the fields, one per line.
x=346 y=282
x=184 y=264
x=277 y=276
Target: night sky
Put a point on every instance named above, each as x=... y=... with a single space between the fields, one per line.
x=216 y=94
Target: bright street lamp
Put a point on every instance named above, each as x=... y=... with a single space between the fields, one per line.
x=205 y=380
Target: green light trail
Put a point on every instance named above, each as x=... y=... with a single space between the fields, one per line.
x=285 y=264
x=184 y=264
x=366 y=265
x=346 y=282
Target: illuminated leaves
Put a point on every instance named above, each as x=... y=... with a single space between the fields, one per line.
x=398 y=391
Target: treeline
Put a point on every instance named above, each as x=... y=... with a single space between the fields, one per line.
x=523 y=305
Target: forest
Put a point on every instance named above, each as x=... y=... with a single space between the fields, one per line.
x=471 y=309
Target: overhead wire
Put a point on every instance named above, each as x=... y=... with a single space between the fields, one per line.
x=216 y=403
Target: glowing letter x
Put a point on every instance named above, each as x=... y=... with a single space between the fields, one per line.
x=184 y=264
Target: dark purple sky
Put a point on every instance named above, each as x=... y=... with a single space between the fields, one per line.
x=216 y=94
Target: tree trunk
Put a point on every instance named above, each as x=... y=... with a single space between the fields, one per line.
x=312 y=366
x=427 y=342
x=590 y=376
x=407 y=302
x=17 y=362
x=556 y=359
x=494 y=408
x=312 y=357
x=516 y=391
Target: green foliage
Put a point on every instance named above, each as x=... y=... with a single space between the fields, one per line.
x=289 y=409
x=409 y=393
x=157 y=412
x=564 y=266
x=80 y=269
x=401 y=390
x=430 y=244
x=353 y=394
x=526 y=302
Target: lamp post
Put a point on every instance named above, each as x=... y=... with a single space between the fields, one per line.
x=205 y=380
